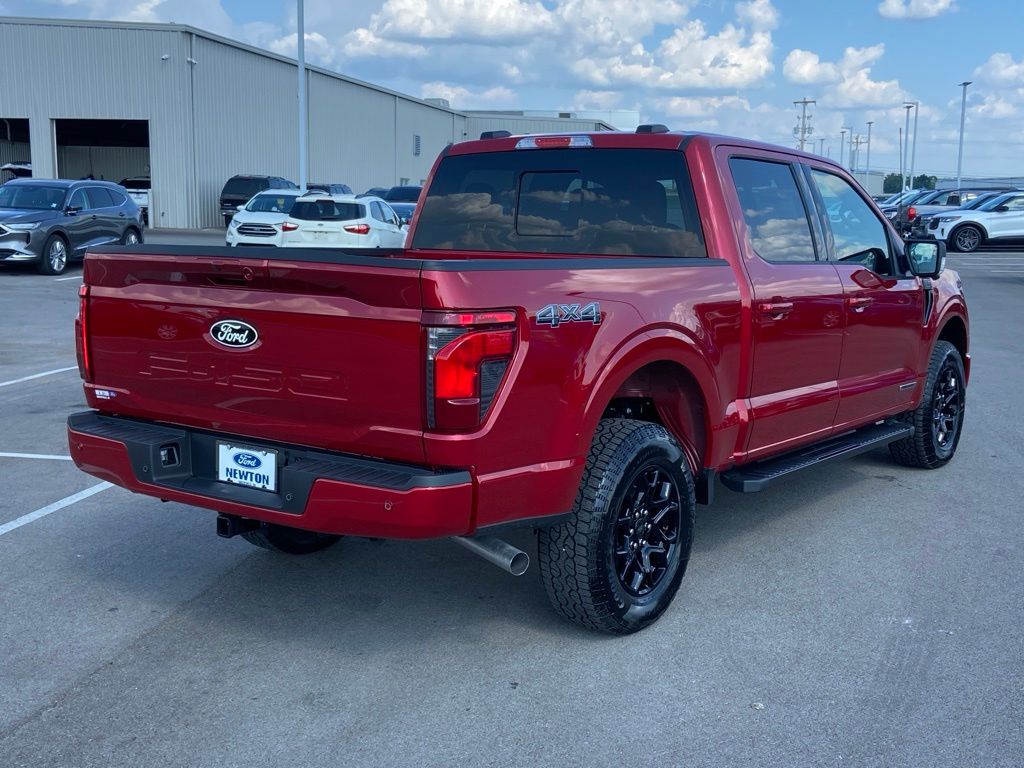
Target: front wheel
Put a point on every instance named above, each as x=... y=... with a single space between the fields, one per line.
x=968 y=238
x=616 y=564
x=291 y=541
x=939 y=419
x=55 y=256
x=131 y=236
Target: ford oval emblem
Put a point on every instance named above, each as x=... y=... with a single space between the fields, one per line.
x=234 y=333
x=248 y=461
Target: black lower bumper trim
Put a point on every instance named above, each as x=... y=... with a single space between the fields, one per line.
x=194 y=469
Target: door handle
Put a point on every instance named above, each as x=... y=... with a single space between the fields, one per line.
x=859 y=303
x=776 y=310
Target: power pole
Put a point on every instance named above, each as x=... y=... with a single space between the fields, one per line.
x=821 y=146
x=857 y=144
x=804 y=129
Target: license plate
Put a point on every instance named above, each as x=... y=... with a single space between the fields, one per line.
x=251 y=467
x=319 y=235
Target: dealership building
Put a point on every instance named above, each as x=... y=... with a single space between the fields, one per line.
x=190 y=109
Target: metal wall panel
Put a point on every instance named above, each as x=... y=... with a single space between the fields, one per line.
x=246 y=119
x=99 y=71
x=107 y=163
x=435 y=128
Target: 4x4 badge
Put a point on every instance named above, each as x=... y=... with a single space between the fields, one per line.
x=556 y=314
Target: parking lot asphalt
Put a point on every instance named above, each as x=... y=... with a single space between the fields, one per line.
x=861 y=614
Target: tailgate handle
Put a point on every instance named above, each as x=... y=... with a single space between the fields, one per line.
x=232 y=275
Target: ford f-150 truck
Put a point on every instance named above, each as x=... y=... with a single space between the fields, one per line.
x=586 y=335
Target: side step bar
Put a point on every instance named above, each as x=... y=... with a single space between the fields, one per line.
x=759 y=475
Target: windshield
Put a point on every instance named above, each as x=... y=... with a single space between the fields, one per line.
x=627 y=202
x=996 y=201
x=927 y=197
x=980 y=200
x=327 y=210
x=32 y=198
x=271 y=203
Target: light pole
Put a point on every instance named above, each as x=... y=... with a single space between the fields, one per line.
x=867 y=169
x=821 y=146
x=842 y=144
x=303 y=148
x=913 y=146
x=906 y=142
x=847 y=129
x=963 y=115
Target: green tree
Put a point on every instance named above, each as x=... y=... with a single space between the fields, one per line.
x=892 y=184
x=925 y=182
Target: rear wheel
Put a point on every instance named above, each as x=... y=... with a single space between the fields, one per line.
x=131 y=236
x=939 y=419
x=55 y=256
x=967 y=238
x=291 y=541
x=616 y=564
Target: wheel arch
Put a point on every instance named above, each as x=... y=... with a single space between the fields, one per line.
x=663 y=378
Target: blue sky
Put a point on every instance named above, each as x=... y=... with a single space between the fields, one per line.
x=730 y=67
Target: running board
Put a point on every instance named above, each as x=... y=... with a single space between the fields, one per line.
x=759 y=475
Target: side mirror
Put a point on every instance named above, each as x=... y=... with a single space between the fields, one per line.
x=240 y=207
x=1002 y=208
x=72 y=210
x=926 y=257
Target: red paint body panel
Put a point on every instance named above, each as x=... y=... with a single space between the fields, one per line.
x=340 y=363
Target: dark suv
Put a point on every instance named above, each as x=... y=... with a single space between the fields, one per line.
x=52 y=221
x=241 y=189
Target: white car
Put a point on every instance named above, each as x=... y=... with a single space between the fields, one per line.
x=966 y=231
x=342 y=221
x=137 y=188
x=259 y=221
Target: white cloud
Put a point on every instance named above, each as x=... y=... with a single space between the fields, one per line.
x=994 y=107
x=1001 y=69
x=200 y=13
x=365 y=43
x=460 y=97
x=758 y=14
x=586 y=99
x=850 y=77
x=915 y=9
x=462 y=20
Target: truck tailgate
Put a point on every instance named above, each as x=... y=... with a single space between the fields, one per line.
x=316 y=351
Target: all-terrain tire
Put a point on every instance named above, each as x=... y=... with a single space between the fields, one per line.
x=580 y=559
x=291 y=541
x=938 y=421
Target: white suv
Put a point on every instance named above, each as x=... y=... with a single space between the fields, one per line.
x=966 y=231
x=259 y=221
x=342 y=221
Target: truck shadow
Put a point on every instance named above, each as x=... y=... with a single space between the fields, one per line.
x=365 y=595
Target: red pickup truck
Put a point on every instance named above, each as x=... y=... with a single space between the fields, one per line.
x=586 y=335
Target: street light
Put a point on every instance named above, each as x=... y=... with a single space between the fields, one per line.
x=913 y=147
x=842 y=144
x=846 y=128
x=867 y=169
x=960 y=151
x=303 y=148
x=906 y=143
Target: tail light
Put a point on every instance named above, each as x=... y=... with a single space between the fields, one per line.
x=911 y=213
x=468 y=354
x=289 y=226
x=358 y=229
x=82 y=334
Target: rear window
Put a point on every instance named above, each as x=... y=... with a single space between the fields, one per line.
x=403 y=194
x=634 y=202
x=135 y=183
x=327 y=210
x=244 y=187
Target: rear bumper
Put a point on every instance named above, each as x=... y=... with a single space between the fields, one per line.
x=318 y=491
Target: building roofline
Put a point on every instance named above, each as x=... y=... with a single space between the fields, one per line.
x=190 y=30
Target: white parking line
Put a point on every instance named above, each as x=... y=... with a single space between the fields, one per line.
x=73 y=277
x=47 y=456
x=49 y=509
x=38 y=375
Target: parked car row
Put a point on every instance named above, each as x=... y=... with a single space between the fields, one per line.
x=912 y=212
x=52 y=222
x=324 y=215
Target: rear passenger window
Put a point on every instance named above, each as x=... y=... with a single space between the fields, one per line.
x=625 y=202
x=376 y=211
x=116 y=197
x=858 y=234
x=98 y=197
x=773 y=210
x=327 y=210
